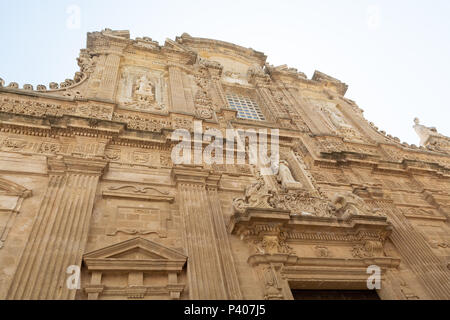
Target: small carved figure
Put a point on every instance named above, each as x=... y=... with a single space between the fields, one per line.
x=144 y=90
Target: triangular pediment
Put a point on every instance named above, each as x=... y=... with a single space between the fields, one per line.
x=135 y=253
x=13 y=189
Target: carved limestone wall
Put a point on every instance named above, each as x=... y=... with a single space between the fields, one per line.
x=87 y=181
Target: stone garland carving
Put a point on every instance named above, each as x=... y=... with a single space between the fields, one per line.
x=140 y=122
x=202 y=100
x=42 y=109
x=305 y=204
x=82 y=150
x=183 y=123
x=50 y=148
x=38 y=109
x=368 y=250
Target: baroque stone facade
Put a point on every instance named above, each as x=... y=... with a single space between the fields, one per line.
x=87 y=180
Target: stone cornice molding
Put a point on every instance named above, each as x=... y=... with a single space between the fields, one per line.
x=68 y=164
x=190 y=175
x=357 y=225
x=293 y=264
x=193 y=43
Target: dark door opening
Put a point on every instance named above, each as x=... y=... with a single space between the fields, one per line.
x=335 y=295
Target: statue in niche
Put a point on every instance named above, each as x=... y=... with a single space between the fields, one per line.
x=285 y=177
x=144 y=90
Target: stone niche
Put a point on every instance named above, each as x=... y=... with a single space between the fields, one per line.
x=142 y=89
x=135 y=269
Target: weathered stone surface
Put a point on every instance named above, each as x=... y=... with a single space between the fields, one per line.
x=87 y=181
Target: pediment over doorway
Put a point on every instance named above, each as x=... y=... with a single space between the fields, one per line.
x=135 y=254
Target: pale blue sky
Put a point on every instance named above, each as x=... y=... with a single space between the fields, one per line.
x=394 y=55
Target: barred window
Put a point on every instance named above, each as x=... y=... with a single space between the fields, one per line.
x=246 y=108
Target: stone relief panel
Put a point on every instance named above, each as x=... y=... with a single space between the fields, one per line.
x=142 y=89
x=336 y=121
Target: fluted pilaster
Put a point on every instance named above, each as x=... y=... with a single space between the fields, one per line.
x=177 y=96
x=211 y=270
x=59 y=232
x=417 y=254
x=110 y=74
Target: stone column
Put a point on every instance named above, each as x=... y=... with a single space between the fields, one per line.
x=60 y=230
x=211 y=271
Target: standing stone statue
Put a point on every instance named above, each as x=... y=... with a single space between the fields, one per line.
x=285 y=177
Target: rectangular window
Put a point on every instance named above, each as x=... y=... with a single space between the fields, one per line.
x=246 y=108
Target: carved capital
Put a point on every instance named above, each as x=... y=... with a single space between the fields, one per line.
x=68 y=164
